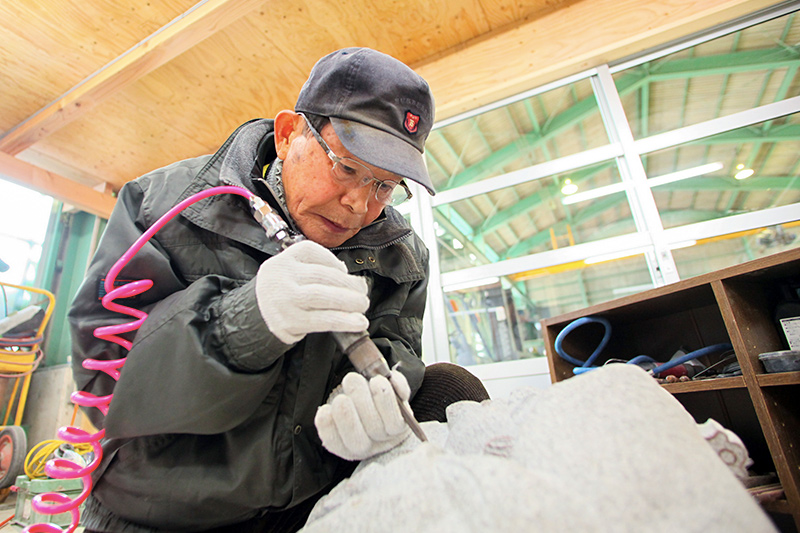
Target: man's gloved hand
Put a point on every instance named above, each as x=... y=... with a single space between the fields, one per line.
x=363 y=418
x=306 y=289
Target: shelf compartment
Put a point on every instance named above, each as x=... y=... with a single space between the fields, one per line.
x=747 y=311
x=778 y=379
x=783 y=434
x=734 y=410
x=711 y=384
x=777 y=506
x=733 y=305
x=656 y=323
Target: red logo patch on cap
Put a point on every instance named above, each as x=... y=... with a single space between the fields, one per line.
x=411 y=122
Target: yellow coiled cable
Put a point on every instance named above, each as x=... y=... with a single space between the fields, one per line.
x=37 y=457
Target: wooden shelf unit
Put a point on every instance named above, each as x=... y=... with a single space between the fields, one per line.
x=734 y=305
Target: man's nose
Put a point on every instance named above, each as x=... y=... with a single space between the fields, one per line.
x=358 y=198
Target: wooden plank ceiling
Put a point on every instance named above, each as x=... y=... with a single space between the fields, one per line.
x=98 y=92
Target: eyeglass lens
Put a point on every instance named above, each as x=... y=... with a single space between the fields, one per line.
x=386 y=191
x=346 y=170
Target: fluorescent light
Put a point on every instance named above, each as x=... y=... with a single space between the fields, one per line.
x=652 y=182
x=594 y=193
x=685 y=174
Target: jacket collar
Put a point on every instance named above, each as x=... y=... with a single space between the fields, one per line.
x=389 y=228
x=227 y=214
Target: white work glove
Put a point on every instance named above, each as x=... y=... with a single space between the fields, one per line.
x=306 y=289
x=363 y=418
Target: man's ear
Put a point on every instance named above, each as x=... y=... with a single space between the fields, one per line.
x=288 y=125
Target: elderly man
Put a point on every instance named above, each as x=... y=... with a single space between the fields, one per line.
x=236 y=410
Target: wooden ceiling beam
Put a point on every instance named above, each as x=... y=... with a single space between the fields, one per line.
x=570 y=40
x=202 y=21
x=30 y=176
x=488 y=69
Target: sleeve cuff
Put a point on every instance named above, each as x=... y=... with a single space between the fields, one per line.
x=249 y=344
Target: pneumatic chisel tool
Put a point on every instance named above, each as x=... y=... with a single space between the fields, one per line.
x=358 y=347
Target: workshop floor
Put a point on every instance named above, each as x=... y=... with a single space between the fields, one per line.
x=7 y=510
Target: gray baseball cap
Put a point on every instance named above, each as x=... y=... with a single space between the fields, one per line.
x=381 y=110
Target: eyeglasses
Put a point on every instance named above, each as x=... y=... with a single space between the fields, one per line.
x=351 y=173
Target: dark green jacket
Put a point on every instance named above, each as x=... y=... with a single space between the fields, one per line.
x=212 y=419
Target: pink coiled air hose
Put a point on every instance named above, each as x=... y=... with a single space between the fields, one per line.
x=53 y=503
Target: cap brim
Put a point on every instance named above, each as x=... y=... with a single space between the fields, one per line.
x=383 y=150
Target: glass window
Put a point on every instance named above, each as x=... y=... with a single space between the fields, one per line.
x=722 y=251
x=571 y=286
x=497 y=319
x=458 y=242
x=556 y=123
x=24 y=215
x=533 y=217
x=736 y=172
x=739 y=171
x=486 y=326
x=732 y=73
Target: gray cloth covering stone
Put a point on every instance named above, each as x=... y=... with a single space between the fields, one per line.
x=609 y=450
